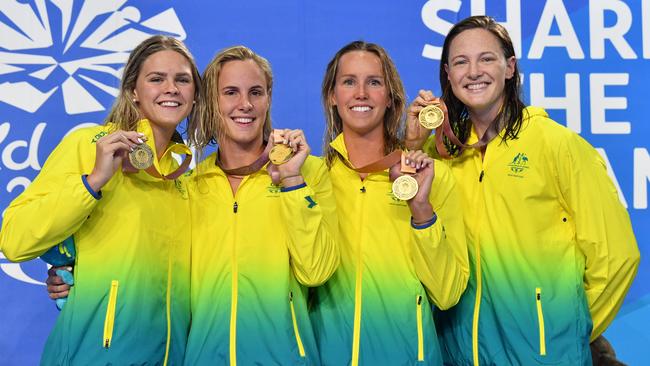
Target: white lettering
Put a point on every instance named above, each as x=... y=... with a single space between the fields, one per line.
x=432 y=21
x=641 y=178
x=570 y=102
x=645 y=26
x=599 y=33
x=512 y=23
x=554 y=9
x=32 y=156
x=600 y=103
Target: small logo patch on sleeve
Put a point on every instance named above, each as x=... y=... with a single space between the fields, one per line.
x=311 y=202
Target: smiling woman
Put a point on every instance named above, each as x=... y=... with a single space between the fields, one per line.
x=130 y=227
x=262 y=233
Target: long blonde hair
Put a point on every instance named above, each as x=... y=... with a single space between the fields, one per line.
x=207 y=125
x=125 y=113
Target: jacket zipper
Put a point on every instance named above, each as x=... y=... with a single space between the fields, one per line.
x=301 y=349
x=233 y=294
x=479 y=279
x=356 y=335
x=540 y=321
x=418 y=303
x=109 y=321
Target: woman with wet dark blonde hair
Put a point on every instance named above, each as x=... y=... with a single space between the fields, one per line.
x=398 y=257
x=115 y=189
x=263 y=232
x=551 y=246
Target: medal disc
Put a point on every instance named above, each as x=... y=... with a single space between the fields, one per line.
x=280 y=154
x=141 y=157
x=405 y=187
x=431 y=117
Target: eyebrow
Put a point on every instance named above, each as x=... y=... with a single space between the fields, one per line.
x=354 y=76
x=160 y=73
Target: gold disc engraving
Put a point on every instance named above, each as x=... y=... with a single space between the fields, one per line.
x=431 y=117
x=141 y=157
x=280 y=154
x=405 y=187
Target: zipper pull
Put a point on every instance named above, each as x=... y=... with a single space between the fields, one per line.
x=419 y=299
x=291 y=296
x=234 y=207
x=106 y=343
x=363 y=189
x=480 y=178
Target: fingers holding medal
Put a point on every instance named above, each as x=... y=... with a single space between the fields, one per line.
x=287 y=144
x=417 y=175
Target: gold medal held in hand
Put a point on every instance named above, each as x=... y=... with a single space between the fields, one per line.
x=280 y=154
x=431 y=116
x=405 y=187
x=141 y=157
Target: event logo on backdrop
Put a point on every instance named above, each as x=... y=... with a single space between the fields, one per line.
x=75 y=48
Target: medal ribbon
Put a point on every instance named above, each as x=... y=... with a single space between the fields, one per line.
x=445 y=129
x=247 y=169
x=177 y=148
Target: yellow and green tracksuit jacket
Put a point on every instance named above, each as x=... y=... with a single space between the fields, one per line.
x=130 y=301
x=551 y=248
x=376 y=309
x=254 y=255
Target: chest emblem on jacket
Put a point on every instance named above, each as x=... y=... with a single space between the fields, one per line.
x=519 y=165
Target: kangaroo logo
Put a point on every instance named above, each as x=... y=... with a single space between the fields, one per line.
x=518 y=165
x=86 y=43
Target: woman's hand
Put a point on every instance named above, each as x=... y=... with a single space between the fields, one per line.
x=111 y=150
x=288 y=174
x=421 y=208
x=416 y=134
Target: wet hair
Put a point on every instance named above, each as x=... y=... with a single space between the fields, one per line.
x=207 y=125
x=510 y=116
x=394 y=116
x=125 y=113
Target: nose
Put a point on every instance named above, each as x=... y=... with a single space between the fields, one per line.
x=172 y=88
x=361 y=92
x=474 y=70
x=246 y=104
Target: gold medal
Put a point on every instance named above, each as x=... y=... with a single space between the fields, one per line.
x=405 y=187
x=141 y=157
x=431 y=117
x=280 y=154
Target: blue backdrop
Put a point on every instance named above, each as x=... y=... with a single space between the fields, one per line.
x=60 y=63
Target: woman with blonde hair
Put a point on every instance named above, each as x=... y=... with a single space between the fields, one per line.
x=115 y=190
x=262 y=232
x=398 y=256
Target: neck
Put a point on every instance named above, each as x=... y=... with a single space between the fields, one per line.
x=161 y=137
x=483 y=118
x=235 y=155
x=364 y=149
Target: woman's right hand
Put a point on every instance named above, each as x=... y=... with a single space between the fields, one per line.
x=57 y=288
x=111 y=150
x=416 y=135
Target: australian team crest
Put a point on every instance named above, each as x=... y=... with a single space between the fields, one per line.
x=518 y=165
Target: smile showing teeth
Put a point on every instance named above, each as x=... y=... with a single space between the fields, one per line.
x=169 y=104
x=243 y=119
x=476 y=86
x=361 y=109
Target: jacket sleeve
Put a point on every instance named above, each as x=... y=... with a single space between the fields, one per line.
x=312 y=225
x=440 y=250
x=603 y=230
x=52 y=207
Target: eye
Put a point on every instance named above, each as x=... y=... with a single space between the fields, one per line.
x=375 y=82
x=348 y=81
x=230 y=92
x=155 y=79
x=184 y=80
x=459 y=62
x=257 y=92
x=488 y=58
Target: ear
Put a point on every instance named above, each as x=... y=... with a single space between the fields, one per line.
x=510 y=67
x=135 y=96
x=332 y=100
x=447 y=70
